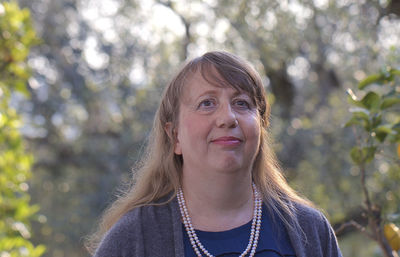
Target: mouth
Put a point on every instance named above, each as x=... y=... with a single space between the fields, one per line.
x=227 y=141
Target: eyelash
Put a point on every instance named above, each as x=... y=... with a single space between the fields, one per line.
x=204 y=101
x=243 y=101
x=246 y=105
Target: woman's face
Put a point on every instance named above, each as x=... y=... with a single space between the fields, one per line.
x=218 y=128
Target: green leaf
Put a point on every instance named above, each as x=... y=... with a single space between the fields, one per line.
x=395 y=72
x=16 y=211
x=38 y=251
x=359 y=117
x=394 y=138
x=389 y=102
x=356 y=155
x=376 y=121
x=371 y=101
x=360 y=113
x=382 y=132
x=375 y=78
x=368 y=153
x=396 y=127
x=353 y=121
x=363 y=155
x=385 y=76
x=353 y=100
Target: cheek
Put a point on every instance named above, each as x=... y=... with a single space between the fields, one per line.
x=253 y=134
x=256 y=136
x=253 y=127
x=190 y=131
x=195 y=132
x=193 y=124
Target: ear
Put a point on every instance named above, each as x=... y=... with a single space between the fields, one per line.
x=173 y=136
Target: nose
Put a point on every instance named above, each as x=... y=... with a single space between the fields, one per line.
x=226 y=117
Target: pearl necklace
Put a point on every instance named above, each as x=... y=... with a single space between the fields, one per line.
x=194 y=240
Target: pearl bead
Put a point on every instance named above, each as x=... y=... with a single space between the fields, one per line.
x=254 y=232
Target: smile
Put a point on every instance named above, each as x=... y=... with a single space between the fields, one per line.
x=227 y=141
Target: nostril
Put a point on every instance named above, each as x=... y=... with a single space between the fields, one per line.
x=235 y=123
x=226 y=121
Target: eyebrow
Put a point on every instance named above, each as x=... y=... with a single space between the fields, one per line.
x=214 y=91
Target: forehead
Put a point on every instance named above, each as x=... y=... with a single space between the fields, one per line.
x=196 y=85
x=208 y=78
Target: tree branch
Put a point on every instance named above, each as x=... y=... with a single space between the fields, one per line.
x=188 y=36
x=356 y=225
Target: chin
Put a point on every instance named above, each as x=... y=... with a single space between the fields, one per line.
x=229 y=166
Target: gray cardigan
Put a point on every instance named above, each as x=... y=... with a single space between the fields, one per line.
x=156 y=231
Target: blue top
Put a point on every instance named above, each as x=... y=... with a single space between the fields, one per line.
x=273 y=240
x=156 y=231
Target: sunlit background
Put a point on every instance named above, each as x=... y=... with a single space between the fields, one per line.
x=101 y=65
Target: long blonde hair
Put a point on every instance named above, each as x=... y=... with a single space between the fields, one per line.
x=159 y=173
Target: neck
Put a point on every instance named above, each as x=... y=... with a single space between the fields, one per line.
x=218 y=202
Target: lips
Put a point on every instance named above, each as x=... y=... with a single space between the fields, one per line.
x=227 y=141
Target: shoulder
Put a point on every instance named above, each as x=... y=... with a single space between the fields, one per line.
x=132 y=222
x=121 y=237
x=316 y=231
x=313 y=222
x=309 y=216
x=130 y=235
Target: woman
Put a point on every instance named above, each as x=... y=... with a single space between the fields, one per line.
x=210 y=184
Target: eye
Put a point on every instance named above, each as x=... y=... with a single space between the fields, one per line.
x=241 y=103
x=206 y=104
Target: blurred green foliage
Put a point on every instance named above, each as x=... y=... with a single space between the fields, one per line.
x=16 y=37
x=375 y=115
x=98 y=75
